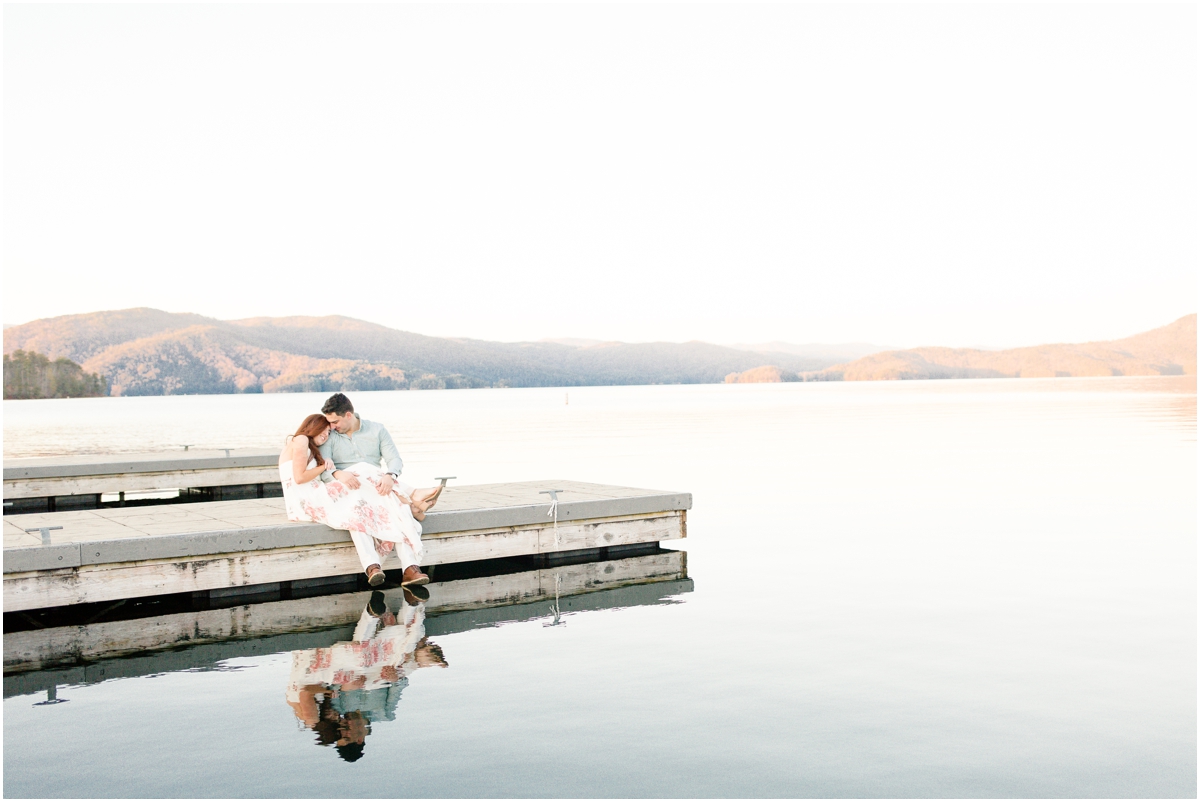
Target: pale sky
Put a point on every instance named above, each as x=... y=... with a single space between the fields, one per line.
x=948 y=174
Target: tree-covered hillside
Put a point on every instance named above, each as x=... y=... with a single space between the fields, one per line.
x=32 y=375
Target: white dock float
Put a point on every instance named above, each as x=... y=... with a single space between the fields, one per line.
x=79 y=482
x=121 y=553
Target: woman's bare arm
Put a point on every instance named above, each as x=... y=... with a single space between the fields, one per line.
x=300 y=458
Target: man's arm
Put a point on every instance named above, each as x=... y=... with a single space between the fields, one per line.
x=346 y=478
x=391 y=456
x=326 y=450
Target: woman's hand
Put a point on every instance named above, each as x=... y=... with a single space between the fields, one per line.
x=328 y=466
x=300 y=458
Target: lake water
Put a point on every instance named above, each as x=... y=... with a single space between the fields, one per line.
x=925 y=589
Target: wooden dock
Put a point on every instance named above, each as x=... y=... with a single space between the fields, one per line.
x=49 y=484
x=36 y=659
x=249 y=546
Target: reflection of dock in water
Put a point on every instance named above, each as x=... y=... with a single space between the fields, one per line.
x=41 y=659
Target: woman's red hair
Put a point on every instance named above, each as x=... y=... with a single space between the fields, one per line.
x=311 y=427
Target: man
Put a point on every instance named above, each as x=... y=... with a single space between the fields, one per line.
x=352 y=440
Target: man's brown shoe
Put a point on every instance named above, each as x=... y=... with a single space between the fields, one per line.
x=377 y=606
x=415 y=594
x=375 y=575
x=413 y=576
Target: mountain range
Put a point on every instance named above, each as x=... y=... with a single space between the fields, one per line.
x=151 y=352
x=1166 y=351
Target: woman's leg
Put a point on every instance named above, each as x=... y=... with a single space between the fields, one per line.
x=427 y=496
x=422 y=500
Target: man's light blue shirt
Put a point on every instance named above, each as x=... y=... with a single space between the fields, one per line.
x=371 y=444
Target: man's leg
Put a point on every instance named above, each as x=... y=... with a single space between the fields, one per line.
x=406 y=554
x=368 y=623
x=364 y=544
x=413 y=575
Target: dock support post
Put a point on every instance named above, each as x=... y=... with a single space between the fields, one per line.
x=51 y=697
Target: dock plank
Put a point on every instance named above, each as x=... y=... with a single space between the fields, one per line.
x=136 y=462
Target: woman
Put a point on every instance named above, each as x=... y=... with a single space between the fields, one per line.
x=376 y=522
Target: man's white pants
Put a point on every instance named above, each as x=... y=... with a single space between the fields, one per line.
x=364 y=544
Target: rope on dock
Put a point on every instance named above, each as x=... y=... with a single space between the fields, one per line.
x=553 y=511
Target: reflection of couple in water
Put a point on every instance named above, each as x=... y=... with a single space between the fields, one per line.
x=338 y=691
x=332 y=473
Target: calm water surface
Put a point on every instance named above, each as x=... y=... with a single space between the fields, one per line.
x=929 y=589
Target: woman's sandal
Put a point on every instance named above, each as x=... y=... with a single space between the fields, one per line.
x=419 y=508
x=432 y=498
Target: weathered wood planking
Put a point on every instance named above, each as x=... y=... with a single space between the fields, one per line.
x=38 y=649
x=70 y=476
x=112 y=581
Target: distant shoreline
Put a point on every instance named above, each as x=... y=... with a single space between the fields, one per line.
x=566 y=389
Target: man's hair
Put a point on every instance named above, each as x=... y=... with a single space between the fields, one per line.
x=350 y=752
x=338 y=404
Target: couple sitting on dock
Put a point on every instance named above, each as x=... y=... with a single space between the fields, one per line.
x=332 y=473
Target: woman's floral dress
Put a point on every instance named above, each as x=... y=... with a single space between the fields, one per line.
x=387 y=519
x=364 y=658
